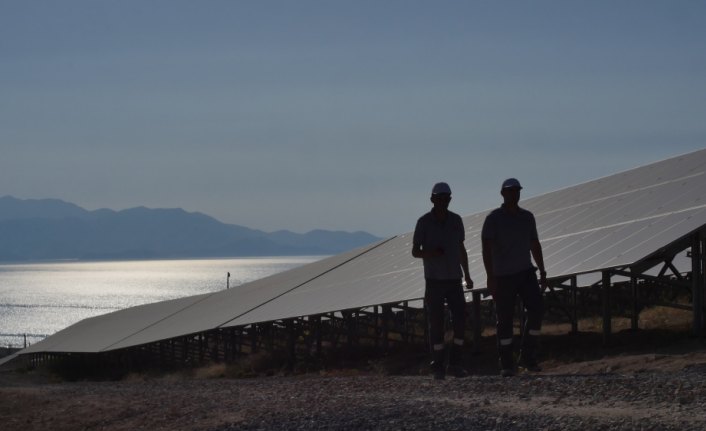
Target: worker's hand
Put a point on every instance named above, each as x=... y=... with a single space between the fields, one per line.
x=543 y=281
x=469 y=282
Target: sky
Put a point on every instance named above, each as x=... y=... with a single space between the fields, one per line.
x=339 y=115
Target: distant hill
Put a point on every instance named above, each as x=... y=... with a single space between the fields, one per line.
x=45 y=229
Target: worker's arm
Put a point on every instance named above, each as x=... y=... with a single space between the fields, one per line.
x=464 y=265
x=488 y=264
x=536 y=250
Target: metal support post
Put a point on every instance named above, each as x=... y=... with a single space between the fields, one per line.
x=574 y=306
x=351 y=328
x=268 y=335
x=703 y=283
x=317 y=334
x=635 y=317
x=405 y=314
x=697 y=279
x=376 y=326
x=253 y=338
x=427 y=330
x=477 y=323
x=386 y=311
x=238 y=341
x=212 y=345
x=201 y=347
x=605 y=288
x=292 y=342
x=185 y=350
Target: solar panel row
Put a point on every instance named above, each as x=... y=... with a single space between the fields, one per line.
x=610 y=222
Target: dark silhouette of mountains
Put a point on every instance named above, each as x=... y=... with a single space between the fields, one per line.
x=48 y=229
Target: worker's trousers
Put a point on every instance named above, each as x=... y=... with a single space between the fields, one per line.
x=437 y=292
x=523 y=284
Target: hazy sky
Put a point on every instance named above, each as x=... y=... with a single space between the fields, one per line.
x=339 y=114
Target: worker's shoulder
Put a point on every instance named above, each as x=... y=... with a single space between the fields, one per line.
x=455 y=216
x=526 y=212
x=497 y=212
x=426 y=217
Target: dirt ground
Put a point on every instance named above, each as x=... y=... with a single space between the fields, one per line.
x=652 y=379
x=627 y=392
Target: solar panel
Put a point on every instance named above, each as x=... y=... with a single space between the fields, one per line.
x=610 y=222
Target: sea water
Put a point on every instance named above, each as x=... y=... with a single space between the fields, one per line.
x=39 y=299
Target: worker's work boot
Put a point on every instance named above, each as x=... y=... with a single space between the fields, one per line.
x=456 y=362
x=528 y=354
x=507 y=361
x=438 y=365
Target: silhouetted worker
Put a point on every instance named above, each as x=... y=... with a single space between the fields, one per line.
x=438 y=240
x=509 y=238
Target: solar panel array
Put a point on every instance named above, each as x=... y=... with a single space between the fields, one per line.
x=606 y=223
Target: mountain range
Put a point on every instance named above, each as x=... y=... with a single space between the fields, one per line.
x=51 y=229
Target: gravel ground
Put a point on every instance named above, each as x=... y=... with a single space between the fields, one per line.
x=554 y=400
